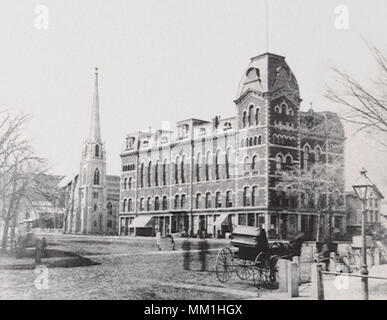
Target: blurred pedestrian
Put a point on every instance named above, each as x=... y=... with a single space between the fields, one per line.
x=158 y=240
x=173 y=244
x=203 y=248
x=186 y=246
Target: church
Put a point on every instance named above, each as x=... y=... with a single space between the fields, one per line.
x=91 y=198
x=208 y=176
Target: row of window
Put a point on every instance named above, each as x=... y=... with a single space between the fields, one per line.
x=128 y=167
x=284 y=109
x=249 y=142
x=249 y=118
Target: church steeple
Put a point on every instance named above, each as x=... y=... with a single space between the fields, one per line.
x=95 y=128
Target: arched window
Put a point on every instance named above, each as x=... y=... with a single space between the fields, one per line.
x=246 y=163
x=182 y=202
x=251 y=141
x=247 y=142
x=246 y=197
x=97 y=150
x=157 y=174
x=149 y=174
x=142 y=204
x=257 y=116
x=317 y=154
x=228 y=199
x=125 y=183
x=288 y=161
x=259 y=139
x=109 y=208
x=251 y=111
x=130 y=183
x=291 y=113
x=208 y=200
x=255 y=141
x=198 y=165
x=275 y=139
x=254 y=162
x=217 y=165
x=306 y=157
x=148 y=204
x=218 y=200
x=227 y=163
x=177 y=201
x=165 y=203
x=279 y=161
x=177 y=170
x=165 y=172
x=197 y=201
x=244 y=119
x=157 y=204
x=207 y=166
x=284 y=108
x=84 y=176
x=142 y=175
x=96 y=177
x=182 y=169
x=254 y=196
x=130 y=205
x=124 y=205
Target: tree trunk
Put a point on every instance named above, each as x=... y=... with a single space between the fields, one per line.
x=5 y=234
x=318 y=227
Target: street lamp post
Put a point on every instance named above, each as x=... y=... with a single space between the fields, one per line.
x=362 y=191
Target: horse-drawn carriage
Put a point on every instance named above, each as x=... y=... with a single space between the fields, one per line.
x=251 y=255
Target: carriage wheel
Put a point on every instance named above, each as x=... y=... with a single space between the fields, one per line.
x=259 y=270
x=244 y=270
x=224 y=265
x=273 y=276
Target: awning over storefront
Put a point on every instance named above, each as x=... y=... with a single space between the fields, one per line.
x=222 y=220
x=141 y=222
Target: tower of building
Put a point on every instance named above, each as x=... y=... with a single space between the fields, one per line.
x=93 y=174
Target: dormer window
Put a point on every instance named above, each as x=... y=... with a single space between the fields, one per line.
x=145 y=143
x=202 y=131
x=227 y=126
x=129 y=143
x=253 y=74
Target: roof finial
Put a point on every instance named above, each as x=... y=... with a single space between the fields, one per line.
x=363 y=172
x=96 y=71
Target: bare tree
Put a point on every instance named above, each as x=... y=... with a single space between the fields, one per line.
x=318 y=188
x=365 y=107
x=19 y=169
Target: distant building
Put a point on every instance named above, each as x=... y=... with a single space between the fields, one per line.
x=206 y=177
x=91 y=198
x=374 y=214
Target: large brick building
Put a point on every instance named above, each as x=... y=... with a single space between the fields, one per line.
x=208 y=176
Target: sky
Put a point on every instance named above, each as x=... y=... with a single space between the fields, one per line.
x=168 y=60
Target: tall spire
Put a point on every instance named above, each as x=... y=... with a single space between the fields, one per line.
x=95 y=128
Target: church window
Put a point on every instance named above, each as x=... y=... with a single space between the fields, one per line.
x=96 y=177
x=97 y=150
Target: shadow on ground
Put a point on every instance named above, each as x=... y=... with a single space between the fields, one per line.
x=51 y=259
